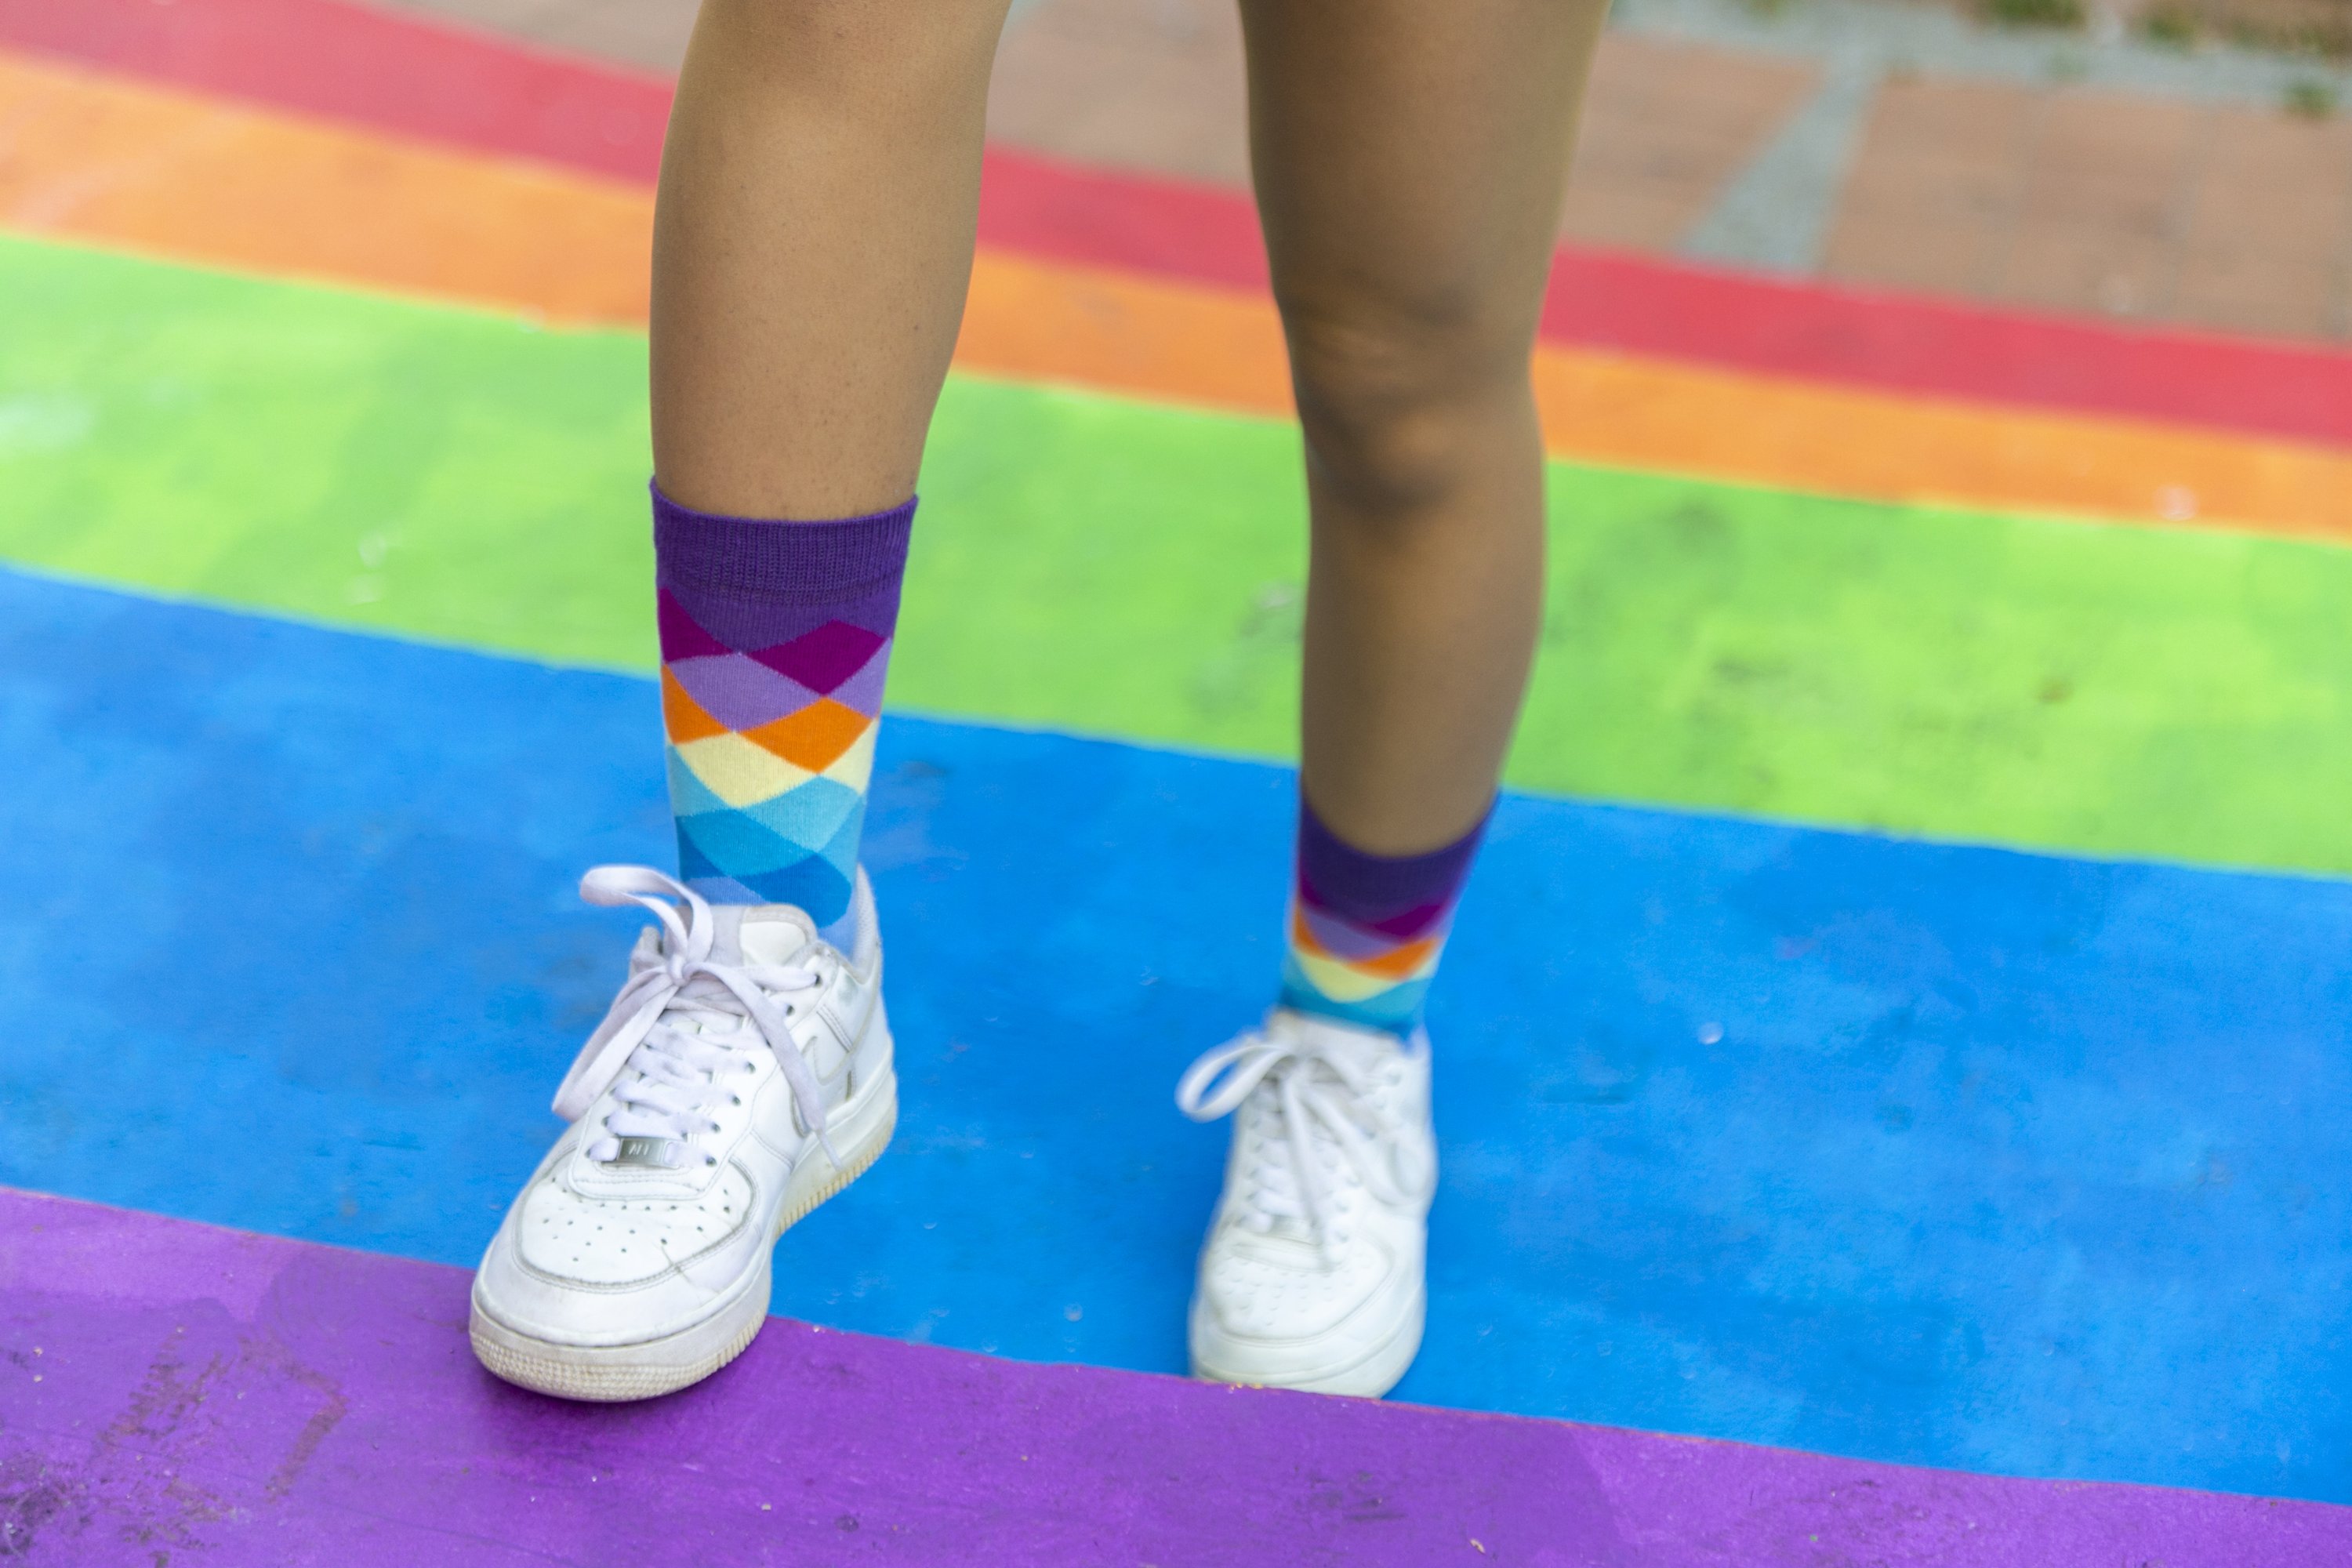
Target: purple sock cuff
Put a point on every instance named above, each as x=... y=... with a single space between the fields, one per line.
x=781 y=561
x=1376 y=891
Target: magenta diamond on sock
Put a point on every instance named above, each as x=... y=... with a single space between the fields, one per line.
x=1342 y=938
x=863 y=690
x=682 y=636
x=1414 y=923
x=825 y=657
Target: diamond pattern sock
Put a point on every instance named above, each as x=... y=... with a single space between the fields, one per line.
x=1366 y=930
x=775 y=638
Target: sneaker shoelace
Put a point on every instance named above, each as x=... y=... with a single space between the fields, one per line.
x=1333 y=1125
x=681 y=1021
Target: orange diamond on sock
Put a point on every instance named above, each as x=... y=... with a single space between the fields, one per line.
x=813 y=737
x=683 y=717
x=1398 y=962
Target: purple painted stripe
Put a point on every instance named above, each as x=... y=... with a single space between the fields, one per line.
x=1406 y=896
x=241 y=1399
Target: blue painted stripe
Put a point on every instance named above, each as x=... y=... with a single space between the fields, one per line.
x=1949 y=1155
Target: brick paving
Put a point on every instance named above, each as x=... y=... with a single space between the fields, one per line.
x=1148 y=85
x=1667 y=125
x=1157 y=85
x=2081 y=197
x=2210 y=215
x=650 y=34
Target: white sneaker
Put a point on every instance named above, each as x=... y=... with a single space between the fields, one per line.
x=1312 y=1275
x=741 y=1078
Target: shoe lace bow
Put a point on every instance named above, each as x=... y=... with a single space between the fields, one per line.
x=1321 y=1095
x=673 y=1068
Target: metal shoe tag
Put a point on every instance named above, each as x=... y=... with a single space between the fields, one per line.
x=652 y=1153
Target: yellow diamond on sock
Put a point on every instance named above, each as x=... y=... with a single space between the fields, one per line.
x=1340 y=981
x=855 y=767
x=740 y=772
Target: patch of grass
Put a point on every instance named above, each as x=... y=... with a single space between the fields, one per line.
x=2034 y=13
x=2309 y=98
x=2314 y=29
x=2330 y=40
x=2174 y=27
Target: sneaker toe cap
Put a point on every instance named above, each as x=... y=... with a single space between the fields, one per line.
x=605 y=1242
x=1289 y=1291
x=621 y=1289
x=1363 y=1352
x=1284 y=1314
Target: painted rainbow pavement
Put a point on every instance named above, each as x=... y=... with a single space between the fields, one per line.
x=1894 y=1047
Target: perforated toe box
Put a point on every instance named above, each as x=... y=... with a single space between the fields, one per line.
x=618 y=1241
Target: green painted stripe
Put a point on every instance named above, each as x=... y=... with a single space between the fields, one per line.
x=1091 y=565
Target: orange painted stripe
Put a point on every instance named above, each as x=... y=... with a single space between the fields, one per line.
x=154 y=169
x=407 y=75
x=1039 y=320
x=157 y=170
x=1647 y=414
x=1046 y=320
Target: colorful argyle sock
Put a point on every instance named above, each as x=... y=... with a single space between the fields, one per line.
x=775 y=640
x=1366 y=930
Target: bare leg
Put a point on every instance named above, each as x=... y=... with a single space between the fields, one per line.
x=812 y=246
x=813 y=238
x=1410 y=161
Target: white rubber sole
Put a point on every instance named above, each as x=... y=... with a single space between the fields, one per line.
x=650 y=1368
x=1377 y=1369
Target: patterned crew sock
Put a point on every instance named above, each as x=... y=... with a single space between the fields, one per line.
x=1366 y=930
x=775 y=638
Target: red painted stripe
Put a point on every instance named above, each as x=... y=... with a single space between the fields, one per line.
x=1642 y=305
x=421 y=79
x=1063 y=212
x=378 y=69
x=1901 y=344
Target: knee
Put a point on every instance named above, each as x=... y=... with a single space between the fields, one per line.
x=1398 y=399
